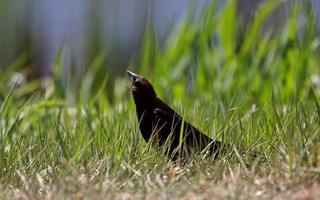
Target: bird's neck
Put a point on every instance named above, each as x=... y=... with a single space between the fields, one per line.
x=144 y=106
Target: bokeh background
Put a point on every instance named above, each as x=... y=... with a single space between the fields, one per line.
x=114 y=35
x=39 y=28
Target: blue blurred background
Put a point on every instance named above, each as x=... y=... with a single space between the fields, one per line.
x=39 y=29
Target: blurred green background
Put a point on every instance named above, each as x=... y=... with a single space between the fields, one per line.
x=207 y=46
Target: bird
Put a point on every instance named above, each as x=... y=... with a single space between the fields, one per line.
x=160 y=125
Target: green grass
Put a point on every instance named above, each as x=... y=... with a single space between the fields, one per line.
x=57 y=141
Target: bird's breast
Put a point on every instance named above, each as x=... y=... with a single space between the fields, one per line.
x=153 y=126
x=145 y=119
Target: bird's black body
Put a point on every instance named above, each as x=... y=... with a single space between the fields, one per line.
x=162 y=125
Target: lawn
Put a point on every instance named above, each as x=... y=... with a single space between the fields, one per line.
x=66 y=139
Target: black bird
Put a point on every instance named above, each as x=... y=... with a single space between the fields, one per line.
x=161 y=125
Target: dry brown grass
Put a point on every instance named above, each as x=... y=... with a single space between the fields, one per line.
x=174 y=184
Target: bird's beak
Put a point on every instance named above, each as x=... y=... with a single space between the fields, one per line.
x=132 y=76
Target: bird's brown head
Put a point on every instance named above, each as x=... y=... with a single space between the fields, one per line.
x=141 y=89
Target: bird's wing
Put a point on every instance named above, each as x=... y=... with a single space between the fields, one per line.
x=163 y=111
x=167 y=114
